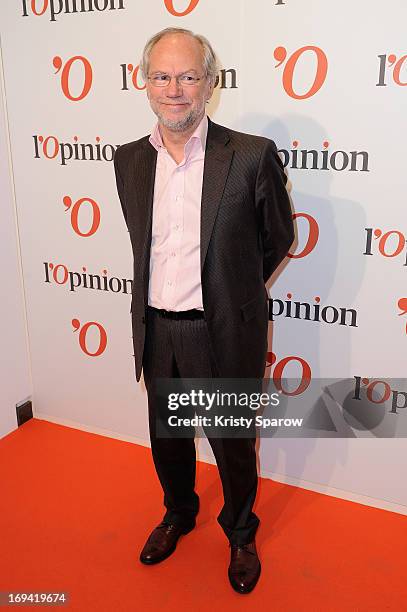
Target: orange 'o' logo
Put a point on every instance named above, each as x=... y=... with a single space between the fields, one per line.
x=67 y=200
x=313 y=235
x=306 y=373
x=83 y=333
x=280 y=54
x=41 y=11
x=65 y=74
x=396 y=71
x=400 y=243
x=135 y=79
x=169 y=5
x=386 y=392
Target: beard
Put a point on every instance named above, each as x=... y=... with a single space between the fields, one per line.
x=183 y=123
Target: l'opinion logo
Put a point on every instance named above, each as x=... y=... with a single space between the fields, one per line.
x=56 y=8
x=290 y=68
x=50 y=147
x=391 y=69
x=306 y=311
x=60 y=274
x=324 y=159
x=378 y=392
x=388 y=244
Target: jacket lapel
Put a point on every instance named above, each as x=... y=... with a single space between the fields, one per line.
x=145 y=163
x=218 y=157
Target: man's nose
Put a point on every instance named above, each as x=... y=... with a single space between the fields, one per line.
x=174 y=88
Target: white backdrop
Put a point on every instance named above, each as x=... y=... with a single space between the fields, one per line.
x=15 y=383
x=314 y=76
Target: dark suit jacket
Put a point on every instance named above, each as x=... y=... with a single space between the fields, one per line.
x=246 y=231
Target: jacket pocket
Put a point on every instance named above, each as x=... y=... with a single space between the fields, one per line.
x=252 y=307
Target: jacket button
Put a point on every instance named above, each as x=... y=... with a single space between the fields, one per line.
x=143 y=319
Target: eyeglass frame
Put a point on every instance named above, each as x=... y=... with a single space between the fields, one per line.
x=177 y=78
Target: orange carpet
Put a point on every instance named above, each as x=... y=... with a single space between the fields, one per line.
x=76 y=509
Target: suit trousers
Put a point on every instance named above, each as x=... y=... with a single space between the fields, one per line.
x=181 y=348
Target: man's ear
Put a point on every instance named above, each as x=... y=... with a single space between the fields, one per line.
x=210 y=92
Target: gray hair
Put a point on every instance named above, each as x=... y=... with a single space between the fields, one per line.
x=210 y=62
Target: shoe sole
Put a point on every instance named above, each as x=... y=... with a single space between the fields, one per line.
x=169 y=551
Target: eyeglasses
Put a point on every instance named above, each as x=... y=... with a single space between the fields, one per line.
x=163 y=80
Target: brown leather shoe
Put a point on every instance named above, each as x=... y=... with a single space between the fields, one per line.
x=244 y=569
x=162 y=542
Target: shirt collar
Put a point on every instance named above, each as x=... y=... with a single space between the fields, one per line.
x=200 y=134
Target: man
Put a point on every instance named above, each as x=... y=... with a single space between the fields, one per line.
x=209 y=221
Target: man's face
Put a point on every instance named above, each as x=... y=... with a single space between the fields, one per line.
x=178 y=107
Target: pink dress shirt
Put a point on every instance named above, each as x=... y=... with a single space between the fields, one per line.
x=175 y=264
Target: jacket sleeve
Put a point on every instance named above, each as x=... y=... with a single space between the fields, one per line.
x=273 y=209
x=120 y=182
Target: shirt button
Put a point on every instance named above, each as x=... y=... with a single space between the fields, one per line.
x=173 y=254
x=169 y=283
x=178 y=197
